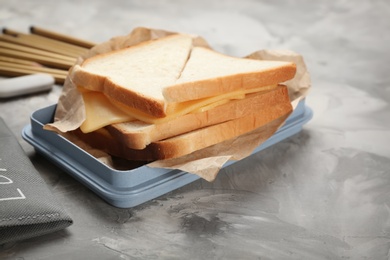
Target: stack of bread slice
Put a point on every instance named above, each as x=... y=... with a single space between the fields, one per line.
x=167 y=98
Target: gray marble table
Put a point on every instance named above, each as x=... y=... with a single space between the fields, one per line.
x=321 y=194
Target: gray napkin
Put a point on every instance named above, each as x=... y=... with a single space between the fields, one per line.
x=27 y=207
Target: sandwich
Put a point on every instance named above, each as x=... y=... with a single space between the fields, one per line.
x=168 y=97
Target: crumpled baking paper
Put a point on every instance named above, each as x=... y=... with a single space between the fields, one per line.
x=206 y=162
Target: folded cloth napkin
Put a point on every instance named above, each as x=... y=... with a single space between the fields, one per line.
x=27 y=207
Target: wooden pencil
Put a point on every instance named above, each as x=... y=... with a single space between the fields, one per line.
x=26 y=49
x=44 y=40
x=61 y=37
x=19 y=61
x=35 y=42
x=48 y=61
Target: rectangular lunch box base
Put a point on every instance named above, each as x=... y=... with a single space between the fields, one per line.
x=126 y=189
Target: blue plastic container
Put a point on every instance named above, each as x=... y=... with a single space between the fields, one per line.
x=125 y=189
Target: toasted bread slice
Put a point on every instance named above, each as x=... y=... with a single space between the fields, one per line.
x=155 y=75
x=138 y=134
x=135 y=75
x=209 y=73
x=189 y=142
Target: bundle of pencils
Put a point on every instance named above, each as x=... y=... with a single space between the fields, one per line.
x=40 y=51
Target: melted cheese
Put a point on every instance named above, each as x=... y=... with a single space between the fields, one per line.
x=102 y=111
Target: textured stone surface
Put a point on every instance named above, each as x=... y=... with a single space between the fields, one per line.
x=322 y=194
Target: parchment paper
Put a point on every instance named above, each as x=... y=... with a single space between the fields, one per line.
x=206 y=162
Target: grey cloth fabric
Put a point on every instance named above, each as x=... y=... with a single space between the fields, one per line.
x=27 y=207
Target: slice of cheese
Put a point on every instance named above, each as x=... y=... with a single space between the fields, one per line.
x=102 y=111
